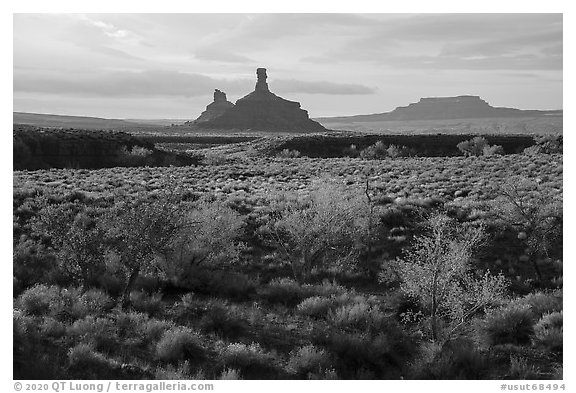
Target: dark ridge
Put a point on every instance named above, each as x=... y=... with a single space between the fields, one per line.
x=42 y=148
x=444 y=108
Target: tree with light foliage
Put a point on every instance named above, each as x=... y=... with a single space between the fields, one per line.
x=436 y=271
x=328 y=227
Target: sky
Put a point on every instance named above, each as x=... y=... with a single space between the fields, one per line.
x=166 y=66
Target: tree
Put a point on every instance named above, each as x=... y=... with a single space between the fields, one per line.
x=328 y=227
x=211 y=236
x=140 y=230
x=436 y=271
x=536 y=217
x=77 y=238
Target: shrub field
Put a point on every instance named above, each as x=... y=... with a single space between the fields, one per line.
x=281 y=266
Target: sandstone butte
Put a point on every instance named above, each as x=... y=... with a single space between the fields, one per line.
x=260 y=110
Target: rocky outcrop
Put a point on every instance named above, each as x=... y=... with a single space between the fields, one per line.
x=216 y=108
x=263 y=110
x=433 y=108
x=444 y=108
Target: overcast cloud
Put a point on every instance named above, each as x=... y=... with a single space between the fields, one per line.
x=134 y=65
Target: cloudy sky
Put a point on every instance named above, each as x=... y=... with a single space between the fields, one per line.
x=168 y=65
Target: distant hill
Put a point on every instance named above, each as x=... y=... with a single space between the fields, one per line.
x=158 y=122
x=442 y=108
x=83 y=122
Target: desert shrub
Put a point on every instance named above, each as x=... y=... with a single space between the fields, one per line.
x=494 y=150
x=285 y=291
x=128 y=326
x=375 y=151
x=68 y=305
x=215 y=158
x=33 y=264
x=136 y=329
x=53 y=328
x=65 y=304
x=521 y=369
x=230 y=374
x=232 y=285
x=84 y=362
x=455 y=359
x=133 y=156
x=171 y=372
x=394 y=151
x=309 y=360
x=146 y=303
x=153 y=329
x=94 y=302
x=321 y=306
x=34 y=350
x=290 y=292
x=287 y=153
x=361 y=356
x=531 y=150
x=327 y=288
x=180 y=343
x=251 y=360
x=101 y=333
x=84 y=356
x=512 y=324
x=549 y=144
x=558 y=373
x=360 y=316
x=315 y=306
x=36 y=300
x=548 y=332
x=189 y=308
x=473 y=147
x=224 y=321
x=542 y=303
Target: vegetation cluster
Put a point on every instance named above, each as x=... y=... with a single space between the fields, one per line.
x=292 y=268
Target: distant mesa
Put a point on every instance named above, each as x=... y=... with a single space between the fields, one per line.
x=444 y=108
x=259 y=110
x=216 y=108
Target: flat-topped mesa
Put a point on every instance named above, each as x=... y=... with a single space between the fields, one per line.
x=433 y=108
x=216 y=108
x=263 y=110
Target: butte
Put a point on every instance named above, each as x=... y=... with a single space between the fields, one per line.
x=260 y=110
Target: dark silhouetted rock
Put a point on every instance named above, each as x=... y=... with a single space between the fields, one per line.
x=261 y=84
x=265 y=111
x=215 y=109
x=444 y=108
